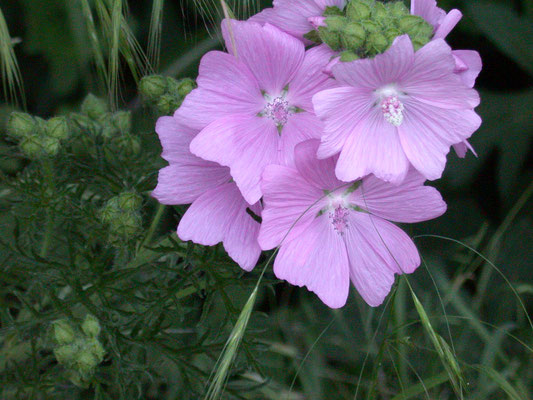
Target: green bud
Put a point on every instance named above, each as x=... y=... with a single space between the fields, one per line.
x=357 y=10
x=50 y=146
x=85 y=362
x=332 y=10
x=153 y=86
x=391 y=34
x=63 y=331
x=336 y=23
x=377 y=42
x=332 y=39
x=129 y=201
x=91 y=326
x=397 y=9
x=186 y=86
x=370 y=26
x=353 y=36
x=21 y=124
x=313 y=36
x=122 y=121
x=130 y=144
x=82 y=121
x=31 y=146
x=167 y=104
x=94 y=107
x=66 y=354
x=96 y=348
x=408 y=22
x=57 y=128
x=379 y=11
x=347 y=56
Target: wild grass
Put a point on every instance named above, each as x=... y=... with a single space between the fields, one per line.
x=12 y=85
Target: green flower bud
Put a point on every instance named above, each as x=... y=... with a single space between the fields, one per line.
x=391 y=34
x=332 y=39
x=63 y=331
x=32 y=147
x=313 y=36
x=186 y=86
x=129 y=201
x=130 y=144
x=122 y=121
x=153 y=86
x=353 y=36
x=57 y=128
x=370 y=26
x=20 y=124
x=379 y=11
x=167 y=104
x=66 y=354
x=91 y=326
x=336 y=23
x=357 y=10
x=397 y=9
x=85 y=362
x=82 y=122
x=94 y=107
x=332 y=10
x=377 y=43
x=347 y=56
x=50 y=146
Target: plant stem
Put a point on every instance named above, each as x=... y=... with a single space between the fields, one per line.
x=49 y=225
x=155 y=222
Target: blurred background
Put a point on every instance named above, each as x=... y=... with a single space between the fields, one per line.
x=164 y=309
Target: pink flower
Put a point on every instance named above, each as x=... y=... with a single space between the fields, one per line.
x=442 y=23
x=397 y=109
x=296 y=17
x=332 y=232
x=218 y=212
x=254 y=107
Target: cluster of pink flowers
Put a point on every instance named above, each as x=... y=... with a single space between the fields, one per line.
x=282 y=144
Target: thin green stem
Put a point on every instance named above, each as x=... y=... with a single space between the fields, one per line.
x=48 y=172
x=155 y=222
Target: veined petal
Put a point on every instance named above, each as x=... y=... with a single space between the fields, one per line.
x=317 y=260
x=272 y=56
x=468 y=65
x=299 y=128
x=318 y=173
x=244 y=143
x=428 y=10
x=377 y=250
x=447 y=24
x=175 y=138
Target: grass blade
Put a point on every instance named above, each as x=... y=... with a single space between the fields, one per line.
x=12 y=84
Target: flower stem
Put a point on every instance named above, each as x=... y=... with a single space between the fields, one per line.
x=49 y=225
x=155 y=222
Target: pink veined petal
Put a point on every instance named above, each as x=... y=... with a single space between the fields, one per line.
x=311 y=77
x=317 y=260
x=273 y=56
x=462 y=148
x=389 y=67
x=319 y=173
x=175 y=138
x=468 y=65
x=447 y=24
x=342 y=110
x=432 y=79
x=428 y=10
x=300 y=127
x=290 y=205
x=409 y=202
x=219 y=215
x=377 y=249
x=373 y=148
x=184 y=182
x=244 y=143
x=428 y=132
x=225 y=86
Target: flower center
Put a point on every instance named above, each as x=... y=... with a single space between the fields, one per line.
x=277 y=110
x=339 y=218
x=392 y=109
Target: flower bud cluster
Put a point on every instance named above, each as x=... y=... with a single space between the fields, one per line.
x=121 y=214
x=366 y=28
x=79 y=351
x=164 y=93
x=38 y=138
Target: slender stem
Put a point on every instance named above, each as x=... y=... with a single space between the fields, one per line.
x=155 y=223
x=49 y=225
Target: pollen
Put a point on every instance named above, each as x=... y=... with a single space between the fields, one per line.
x=277 y=110
x=392 y=109
x=339 y=218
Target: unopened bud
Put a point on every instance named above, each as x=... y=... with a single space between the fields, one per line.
x=91 y=326
x=66 y=354
x=397 y=9
x=153 y=86
x=31 y=146
x=336 y=23
x=21 y=124
x=94 y=107
x=122 y=121
x=167 y=104
x=57 y=128
x=332 y=39
x=186 y=86
x=357 y=10
x=129 y=201
x=63 y=332
x=347 y=56
x=353 y=36
x=379 y=11
x=377 y=42
x=332 y=10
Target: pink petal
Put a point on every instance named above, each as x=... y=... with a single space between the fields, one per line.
x=319 y=173
x=342 y=110
x=468 y=65
x=373 y=148
x=383 y=69
x=377 y=250
x=428 y=10
x=409 y=202
x=175 y=138
x=311 y=78
x=219 y=215
x=432 y=79
x=447 y=24
x=300 y=127
x=462 y=148
x=225 y=86
x=244 y=143
x=290 y=205
x=317 y=260
x=428 y=132
x=273 y=56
